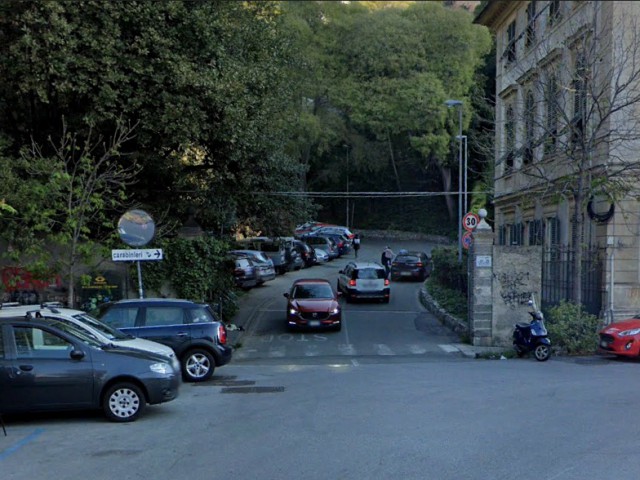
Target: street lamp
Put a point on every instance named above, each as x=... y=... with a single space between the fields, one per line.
x=465 y=190
x=458 y=104
x=347 y=221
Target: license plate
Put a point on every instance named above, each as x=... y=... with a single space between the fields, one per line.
x=314 y=323
x=405 y=274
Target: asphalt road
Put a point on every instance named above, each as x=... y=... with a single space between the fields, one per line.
x=355 y=415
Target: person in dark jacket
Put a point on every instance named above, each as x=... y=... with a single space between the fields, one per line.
x=356 y=244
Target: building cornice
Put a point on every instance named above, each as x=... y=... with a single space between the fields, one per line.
x=494 y=11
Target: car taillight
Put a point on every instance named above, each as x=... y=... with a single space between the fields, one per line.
x=386 y=282
x=352 y=283
x=395 y=264
x=222 y=334
x=340 y=244
x=419 y=264
x=238 y=271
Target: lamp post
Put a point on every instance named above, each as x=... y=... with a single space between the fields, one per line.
x=465 y=191
x=458 y=104
x=347 y=220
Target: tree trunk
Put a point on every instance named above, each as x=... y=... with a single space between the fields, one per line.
x=446 y=187
x=393 y=162
x=576 y=241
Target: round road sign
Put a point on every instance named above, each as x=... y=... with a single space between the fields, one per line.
x=470 y=221
x=467 y=240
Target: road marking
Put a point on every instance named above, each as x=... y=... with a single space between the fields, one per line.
x=355 y=362
x=347 y=349
x=383 y=349
x=448 y=348
x=17 y=446
x=417 y=349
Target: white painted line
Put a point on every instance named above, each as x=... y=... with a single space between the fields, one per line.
x=417 y=349
x=346 y=349
x=449 y=348
x=355 y=362
x=383 y=349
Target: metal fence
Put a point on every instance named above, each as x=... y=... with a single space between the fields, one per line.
x=557 y=277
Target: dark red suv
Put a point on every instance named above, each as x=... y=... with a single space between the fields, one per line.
x=312 y=303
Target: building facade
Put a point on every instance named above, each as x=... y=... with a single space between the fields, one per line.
x=567 y=152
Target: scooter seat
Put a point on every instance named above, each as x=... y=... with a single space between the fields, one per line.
x=523 y=325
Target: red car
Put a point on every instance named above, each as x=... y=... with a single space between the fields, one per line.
x=621 y=338
x=312 y=303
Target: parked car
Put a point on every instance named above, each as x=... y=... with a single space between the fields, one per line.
x=325 y=243
x=306 y=252
x=292 y=255
x=364 y=280
x=411 y=265
x=245 y=275
x=58 y=366
x=621 y=338
x=334 y=230
x=190 y=329
x=272 y=248
x=53 y=312
x=312 y=303
x=308 y=227
x=321 y=255
x=342 y=242
x=265 y=270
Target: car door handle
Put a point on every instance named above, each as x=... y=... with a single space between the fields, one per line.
x=25 y=368
x=183 y=334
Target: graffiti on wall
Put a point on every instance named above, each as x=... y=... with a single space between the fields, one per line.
x=515 y=288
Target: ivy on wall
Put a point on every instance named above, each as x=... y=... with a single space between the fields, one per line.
x=195 y=269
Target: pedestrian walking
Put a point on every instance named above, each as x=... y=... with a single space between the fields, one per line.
x=356 y=244
x=386 y=258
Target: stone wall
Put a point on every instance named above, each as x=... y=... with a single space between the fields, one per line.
x=517 y=273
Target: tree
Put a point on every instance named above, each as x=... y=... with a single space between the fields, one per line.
x=69 y=200
x=579 y=125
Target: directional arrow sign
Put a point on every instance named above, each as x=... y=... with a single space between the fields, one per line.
x=136 y=255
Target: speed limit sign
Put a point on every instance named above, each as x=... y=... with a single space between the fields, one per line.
x=470 y=221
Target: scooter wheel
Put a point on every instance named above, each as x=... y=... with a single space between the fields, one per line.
x=542 y=352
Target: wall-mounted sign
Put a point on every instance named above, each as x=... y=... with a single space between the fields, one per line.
x=483 y=261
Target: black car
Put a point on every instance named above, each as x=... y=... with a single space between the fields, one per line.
x=411 y=265
x=306 y=252
x=190 y=329
x=57 y=366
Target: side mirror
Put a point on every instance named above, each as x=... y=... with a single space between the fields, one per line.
x=76 y=354
x=285 y=295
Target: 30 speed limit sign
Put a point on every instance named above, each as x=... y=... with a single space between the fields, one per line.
x=470 y=221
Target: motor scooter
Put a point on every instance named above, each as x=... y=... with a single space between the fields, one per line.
x=532 y=337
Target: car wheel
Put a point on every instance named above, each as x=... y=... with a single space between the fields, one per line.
x=123 y=402
x=386 y=299
x=338 y=327
x=197 y=365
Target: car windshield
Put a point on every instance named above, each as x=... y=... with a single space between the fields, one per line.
x=312 y=291
x=369 y=273
x=109 y=332
x=78 y=332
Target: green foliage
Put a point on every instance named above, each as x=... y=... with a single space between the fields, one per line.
x=451 y=300
x=197 y=270
x=573 y=329
x=447 y=271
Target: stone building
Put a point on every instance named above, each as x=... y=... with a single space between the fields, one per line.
x=567 y=166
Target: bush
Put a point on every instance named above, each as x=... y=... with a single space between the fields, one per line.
x=573 y=329
x=451 y=300
x=447 y=271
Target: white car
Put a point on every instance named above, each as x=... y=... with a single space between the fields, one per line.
x=102 y=332
x=364 y=280
x=321 y=255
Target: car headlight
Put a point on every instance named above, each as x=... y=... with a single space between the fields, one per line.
x=334 y=311
x=628 y=333
x=293 y=311
x=163 y=368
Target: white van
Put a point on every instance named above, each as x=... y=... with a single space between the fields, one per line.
x=103 y=333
